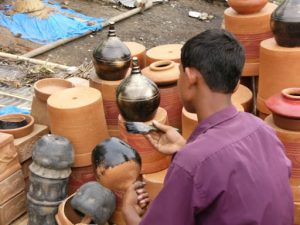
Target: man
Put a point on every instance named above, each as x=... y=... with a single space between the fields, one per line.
x=232 y=170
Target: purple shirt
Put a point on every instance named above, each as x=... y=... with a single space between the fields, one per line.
x=232 y=171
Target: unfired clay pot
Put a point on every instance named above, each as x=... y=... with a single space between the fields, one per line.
x=137 y=96
x=247 y=6
x=164 y=52
x=112 y=57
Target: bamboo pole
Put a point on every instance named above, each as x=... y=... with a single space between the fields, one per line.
x=14 y=96
x=117 y=18
x=40 y=62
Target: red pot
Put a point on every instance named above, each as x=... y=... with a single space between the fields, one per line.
x=286 y=108
x=247 y=6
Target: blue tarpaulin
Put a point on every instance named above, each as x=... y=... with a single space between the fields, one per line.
x=62 y=23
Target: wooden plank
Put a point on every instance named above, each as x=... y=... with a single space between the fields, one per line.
x=23 y=220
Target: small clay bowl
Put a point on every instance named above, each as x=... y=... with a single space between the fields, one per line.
x=22 y=130
x=13 y=122
x=48 y=86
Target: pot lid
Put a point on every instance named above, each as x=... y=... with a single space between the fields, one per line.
x=162 y=72
x=286 y=103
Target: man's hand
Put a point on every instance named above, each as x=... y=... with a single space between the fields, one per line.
x=167 y=140
x=135 y=202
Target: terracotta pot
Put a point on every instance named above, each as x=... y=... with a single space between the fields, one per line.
x=78 y=82
x=247 y=6
x=80 y=176
x=295 y=185
x=68 y=112
x=108 y=90
x=137 y=50
x=152 y=160
x=285 y=23
x=278 y=70
x=164 y=52
x=39 y=111
x=112 y=57
x=154 y=183
x=291 y=142
x=9 y=162
x=250 y=30
x=45 y=87
x=296 y=213
x=165 y=74
x=21 y=131
x=244 y=97
x=190 y=120
x=137 y=96
x=286 y=108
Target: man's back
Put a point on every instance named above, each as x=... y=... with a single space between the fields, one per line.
x=232 y=171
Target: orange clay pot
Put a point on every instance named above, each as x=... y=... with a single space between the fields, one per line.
x=250 y=30
x=21 y=131
x=154 y=183
x=278 y=70
x=78 y=114
x=137 y=50
x=296 y=213
x=243 y=96
x=247 y=6
x=165 y=74
x=152 y=160
x=9 y=162
x=164 y=52
x=66 y=215
x=39 y=111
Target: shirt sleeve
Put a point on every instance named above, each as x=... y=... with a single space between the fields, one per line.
x=174 y=204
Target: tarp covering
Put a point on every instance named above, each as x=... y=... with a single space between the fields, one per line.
x=62 y=23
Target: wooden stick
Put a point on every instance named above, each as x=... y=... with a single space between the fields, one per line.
x=55 y=44
x=14 y=96
x=37 y=61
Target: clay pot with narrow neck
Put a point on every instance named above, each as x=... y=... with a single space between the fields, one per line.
x=112 y=57
x=285 y=23
x=247 y=6
x=286 y=108
x=137 y=96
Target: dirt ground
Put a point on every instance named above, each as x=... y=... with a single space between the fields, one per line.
x=166 y=23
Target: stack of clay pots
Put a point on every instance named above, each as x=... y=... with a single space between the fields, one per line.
x=12 y=195
x=77 y=114
x=285 y=108
x=280 y=55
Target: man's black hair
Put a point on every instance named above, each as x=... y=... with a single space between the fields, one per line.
x=218 y=56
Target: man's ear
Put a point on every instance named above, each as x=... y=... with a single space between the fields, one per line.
x=192 y=75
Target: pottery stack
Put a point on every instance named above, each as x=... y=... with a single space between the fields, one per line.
x=280 y=55
x=77 y=114
x=111 y=60
x=164 y=52
x=12 y=194
x=137 y=50
x=285 y=108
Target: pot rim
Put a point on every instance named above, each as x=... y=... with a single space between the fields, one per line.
x=291 y=93
x=162 y=65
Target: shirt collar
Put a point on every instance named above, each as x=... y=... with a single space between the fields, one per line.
x=213 y=120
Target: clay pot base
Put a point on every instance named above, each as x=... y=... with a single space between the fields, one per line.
x=295 y=185
x=286 y=122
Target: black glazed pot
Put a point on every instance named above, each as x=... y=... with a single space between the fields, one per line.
x=137 y=96
x=112 y=57
x=285 y=23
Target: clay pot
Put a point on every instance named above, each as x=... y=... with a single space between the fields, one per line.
x=296 y=213
x=285 y=23
x=247 y=6
x=164 y=52
x=154 y=183
x=112 y=57
x=45 y=87
x=137 y=50
x=18 y=132
x=52 y=158
x=286 y=108
x=152 y=160
x=77 y=114
x=278 y=70
x=243 y=96
x=117 y=165
x=250 y=30
x=165 y=74
x=137 y=96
